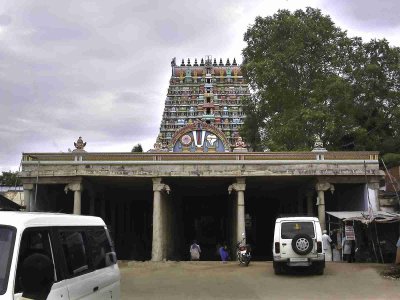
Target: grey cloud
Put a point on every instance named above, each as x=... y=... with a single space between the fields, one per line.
x=68 y=58
x=5 y=20
x=48 y=26
x=101 y=69
x=371 y=13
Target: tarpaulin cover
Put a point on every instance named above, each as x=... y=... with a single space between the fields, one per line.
x=364 y=216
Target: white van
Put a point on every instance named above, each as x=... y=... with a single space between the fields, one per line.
x=298 y=243
x=56 y=256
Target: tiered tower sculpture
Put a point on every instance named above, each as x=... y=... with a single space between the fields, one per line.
x=203 y=109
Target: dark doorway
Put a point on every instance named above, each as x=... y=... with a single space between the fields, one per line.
x=206 y=221
x=261 y=215
x=203 y=213
x=126 y=206
x=267 y=199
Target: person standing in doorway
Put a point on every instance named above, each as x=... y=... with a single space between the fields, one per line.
x=223 y=252
x=398 y=252
x=348 y=250
x=326 y=244
x=195 y=251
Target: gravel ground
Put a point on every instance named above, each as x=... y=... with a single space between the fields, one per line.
x=214 y=280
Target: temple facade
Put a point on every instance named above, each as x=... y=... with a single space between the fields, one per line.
x=203 y=108
x=199 y=182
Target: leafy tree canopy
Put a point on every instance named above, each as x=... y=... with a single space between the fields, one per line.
x=391 y=159
x=10 y=179
x=137 y=148
x=310 y=80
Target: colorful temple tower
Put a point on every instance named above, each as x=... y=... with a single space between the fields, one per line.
x=203 y=108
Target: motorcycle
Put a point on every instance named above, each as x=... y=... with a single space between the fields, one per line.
x=243 y=252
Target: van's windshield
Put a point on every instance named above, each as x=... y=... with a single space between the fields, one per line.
x=7 y=239
x=290 y=229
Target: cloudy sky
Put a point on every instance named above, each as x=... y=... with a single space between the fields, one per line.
x=100 y=69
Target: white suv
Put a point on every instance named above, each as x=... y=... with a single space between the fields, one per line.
x=56 y=256
x=298 y=243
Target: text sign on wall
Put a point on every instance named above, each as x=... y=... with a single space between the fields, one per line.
x=349 y=233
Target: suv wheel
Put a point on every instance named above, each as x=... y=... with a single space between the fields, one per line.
x=319 y=268
x=302 y=244
x=278 y=269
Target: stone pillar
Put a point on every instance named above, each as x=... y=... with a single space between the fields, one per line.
x=239 y=187
x=241 y=227
x=77 y=189
x=374 y=196
x=157 y=251
x=77 y=202
x=321 y=187
x=321 y=209
x=28 y=187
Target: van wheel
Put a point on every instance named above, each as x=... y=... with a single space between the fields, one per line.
x=302 y=244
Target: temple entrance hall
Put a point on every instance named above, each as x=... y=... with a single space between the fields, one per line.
x=205 y=209
x=203 y=213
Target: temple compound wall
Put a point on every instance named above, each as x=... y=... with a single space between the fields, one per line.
x=156 y=203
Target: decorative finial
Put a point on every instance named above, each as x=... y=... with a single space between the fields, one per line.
x=183 y=63
x=173 y=62
x=202 y=62
x=227 y=62
x=215 y=62
x=195 y=63
x=234 y=62
x=318 y=145
x=79 y=145
x=188 y=63
x=220 y=62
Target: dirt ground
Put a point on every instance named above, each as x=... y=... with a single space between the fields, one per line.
x=214 y=280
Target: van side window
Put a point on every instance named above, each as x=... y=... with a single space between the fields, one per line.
x=74 y=251
x=100 y=249
x=34 y=240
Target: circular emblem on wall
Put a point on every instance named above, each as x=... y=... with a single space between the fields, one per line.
x=186 y=139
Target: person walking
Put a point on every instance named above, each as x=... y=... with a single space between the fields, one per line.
x=326 y=244
x=195 y=251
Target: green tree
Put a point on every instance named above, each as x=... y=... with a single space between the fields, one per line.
x=375 y=79
x=10 y=179
x=391 y=159
x=311 y=80
x=137 y=148
x=251 y=129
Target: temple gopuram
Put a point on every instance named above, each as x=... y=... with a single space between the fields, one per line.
x=203 y=108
